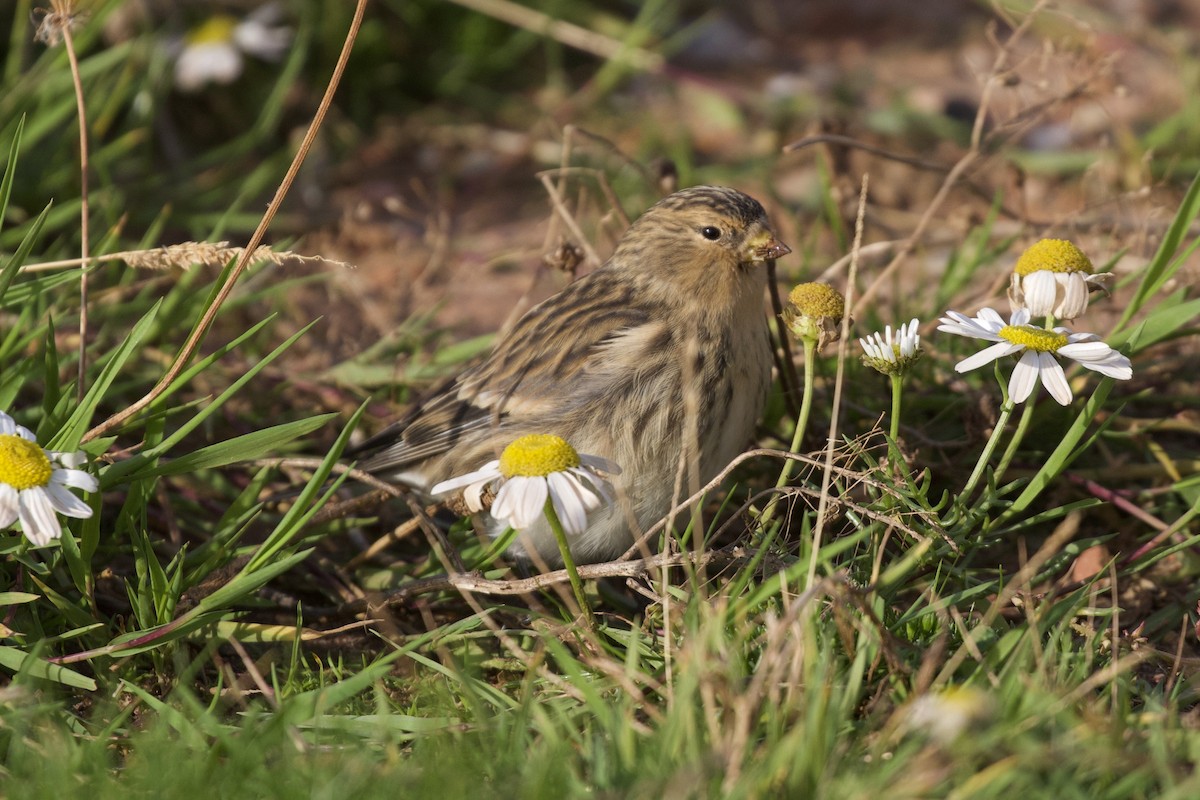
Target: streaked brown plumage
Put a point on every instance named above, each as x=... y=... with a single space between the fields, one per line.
x=671 y=325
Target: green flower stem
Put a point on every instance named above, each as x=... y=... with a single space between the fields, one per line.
x=1022 y=424
x=1005 y=411
x=785 y=475
x=1015 y=442
x=894 y=428
x=564 y=548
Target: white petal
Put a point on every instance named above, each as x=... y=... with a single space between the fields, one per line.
x=910 y=340
x=1053 y=378
x=1101 y=358
x=473 y=495
x=66 y=503
x=1117 y=367
x=9 y=426
x=1024 y=377
x=8 y=505
x=1086 y=350
x=961 y=326
x=600 y=490
x=209 y=62
x=601 y=464
x=1075 y=338
x=1016 y=295
x=75 y=478
x=1019 y=317
x=1099 y=281
x=991 y=317
x=955 y=318
x=985 y=326
x=489 y=471
x=987 y=355
x=1075 y=297
x=70 y=460
x=1041 y=291
x=37 y=517
x=520 y=501
x=569 y=504
x=262 y=41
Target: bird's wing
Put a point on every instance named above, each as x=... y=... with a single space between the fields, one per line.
x=556 y=358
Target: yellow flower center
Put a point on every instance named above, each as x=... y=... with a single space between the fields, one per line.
x=215 y=29
x=1031 y=338
x=537 y=455
x=23 y=465
x=1053 y=255
x=818 y=300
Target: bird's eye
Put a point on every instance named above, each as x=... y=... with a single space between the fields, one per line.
x=711 y=233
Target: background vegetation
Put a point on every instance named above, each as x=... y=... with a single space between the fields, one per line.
x=226 y=622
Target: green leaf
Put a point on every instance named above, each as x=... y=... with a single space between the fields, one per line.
x=72 y=431
x=1165 y=264
x=9 y=272
x=10 y=172
x=22 y=663
x=1169 y=318
x=1063 y=454
x=241 y=448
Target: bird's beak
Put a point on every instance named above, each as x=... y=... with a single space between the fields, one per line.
x=765 y=246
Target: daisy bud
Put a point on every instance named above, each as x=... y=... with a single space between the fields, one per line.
x=814 y=313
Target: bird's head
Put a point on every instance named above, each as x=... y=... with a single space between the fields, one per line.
x=705 y=237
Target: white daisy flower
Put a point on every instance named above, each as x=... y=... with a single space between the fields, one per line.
x=34 y=482
x=892 y=356
x=1054 y=277
x=1038 y=348
x=531 y=469
x=946 y=715
x=213 y=51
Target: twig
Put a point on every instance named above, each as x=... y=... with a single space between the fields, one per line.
x=847 y=141
x=475 y=583
x=561 y=209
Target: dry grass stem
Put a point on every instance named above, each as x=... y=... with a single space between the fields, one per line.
x=184 y=256
x=836 y=404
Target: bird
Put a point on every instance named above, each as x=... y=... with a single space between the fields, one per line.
x=659 y=357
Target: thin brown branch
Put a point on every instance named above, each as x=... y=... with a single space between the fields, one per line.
x=84 y=206
x=475 y=583
x=849 y=141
